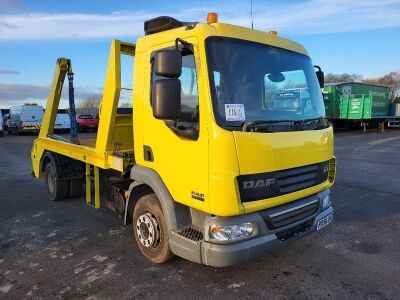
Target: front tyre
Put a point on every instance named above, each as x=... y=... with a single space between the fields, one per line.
x=56 y=189
x=150 y=229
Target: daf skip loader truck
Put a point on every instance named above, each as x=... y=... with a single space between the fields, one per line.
x=226 y=154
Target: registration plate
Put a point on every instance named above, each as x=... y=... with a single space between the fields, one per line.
x=325 y=221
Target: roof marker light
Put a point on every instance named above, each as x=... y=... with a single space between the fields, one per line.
x=212 y=17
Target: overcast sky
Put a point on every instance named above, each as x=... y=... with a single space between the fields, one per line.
x=358 y=36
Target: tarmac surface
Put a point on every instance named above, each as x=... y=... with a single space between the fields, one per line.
x=68 y=250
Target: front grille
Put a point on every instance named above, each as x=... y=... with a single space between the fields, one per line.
x=272 y=184
x=297 y=179
x=291 y=215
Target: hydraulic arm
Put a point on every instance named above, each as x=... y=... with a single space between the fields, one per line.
x=63 y=68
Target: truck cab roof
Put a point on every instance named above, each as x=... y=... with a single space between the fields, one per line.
x=204 y=30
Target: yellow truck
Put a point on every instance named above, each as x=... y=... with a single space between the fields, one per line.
x=226 y=154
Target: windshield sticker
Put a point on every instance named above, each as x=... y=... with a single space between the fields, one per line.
x=234 y=112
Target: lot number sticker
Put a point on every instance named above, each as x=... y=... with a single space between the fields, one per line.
x=234 y=112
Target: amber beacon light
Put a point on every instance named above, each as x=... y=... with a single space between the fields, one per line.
x=212 y=17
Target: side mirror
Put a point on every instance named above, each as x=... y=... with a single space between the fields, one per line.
x=166 y=99
x=168 y=63
x=320 y=76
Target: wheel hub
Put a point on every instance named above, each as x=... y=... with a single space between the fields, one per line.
x=148 y=230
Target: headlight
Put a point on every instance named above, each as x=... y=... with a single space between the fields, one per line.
x=326 y=202
x=231 y=232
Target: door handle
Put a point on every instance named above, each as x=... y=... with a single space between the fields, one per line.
x=148 y=153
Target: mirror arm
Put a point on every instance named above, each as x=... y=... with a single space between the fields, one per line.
x=183 y=42
x=185 y=46
x=318 y=67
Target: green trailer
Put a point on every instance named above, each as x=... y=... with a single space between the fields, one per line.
x=356 y=101
x=352 y=103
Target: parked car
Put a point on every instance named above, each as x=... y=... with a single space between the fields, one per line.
x=25 y=118
x=86 y=122
x=1 y=125
x=63 y=122
x=5 y=121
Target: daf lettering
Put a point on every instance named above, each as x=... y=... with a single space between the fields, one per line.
x=258 y=183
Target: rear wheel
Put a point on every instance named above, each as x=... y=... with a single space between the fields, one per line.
x=75 y=188
x=150 y=229
x=56 y=189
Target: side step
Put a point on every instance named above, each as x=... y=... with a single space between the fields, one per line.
x=191 y=233
x=186 y=243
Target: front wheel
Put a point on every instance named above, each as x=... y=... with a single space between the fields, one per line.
x=150 y=229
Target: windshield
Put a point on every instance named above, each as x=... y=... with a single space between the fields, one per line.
x=256 y=83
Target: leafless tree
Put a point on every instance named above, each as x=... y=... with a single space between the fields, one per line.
x=391 y=80
x=345 y=77
x=91 y=102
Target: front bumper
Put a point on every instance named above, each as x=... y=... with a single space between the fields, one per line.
x=230 y=254
x=265 y=240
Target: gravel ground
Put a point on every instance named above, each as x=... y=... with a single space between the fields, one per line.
x=68 y=250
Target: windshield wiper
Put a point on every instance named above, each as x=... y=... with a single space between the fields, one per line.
x=299 y=124
x=320 y=123
x=248 y=124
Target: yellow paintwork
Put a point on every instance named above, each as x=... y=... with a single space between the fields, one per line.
x=113 y=128
x=210 y=165
x=260 y=152
x=88 y=184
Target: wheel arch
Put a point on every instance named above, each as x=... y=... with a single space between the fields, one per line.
x=147 y=180
x=47 y=157
x=66 y=168
x=136 y=191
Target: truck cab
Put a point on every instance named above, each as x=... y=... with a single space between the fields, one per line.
x=231 y=153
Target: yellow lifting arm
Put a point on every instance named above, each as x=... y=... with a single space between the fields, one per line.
x=53 y=101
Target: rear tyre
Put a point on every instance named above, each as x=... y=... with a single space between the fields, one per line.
x=75 y=188
x=1 y=133
x=150 y=229
x=56 y=189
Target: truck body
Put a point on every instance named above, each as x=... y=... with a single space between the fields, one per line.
x=25 y=118
x=220 y=161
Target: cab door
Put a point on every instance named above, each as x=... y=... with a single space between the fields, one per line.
x=181 y=161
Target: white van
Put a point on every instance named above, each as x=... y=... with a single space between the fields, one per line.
x=63 y=122
x=25 y=118
x=1 y=125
